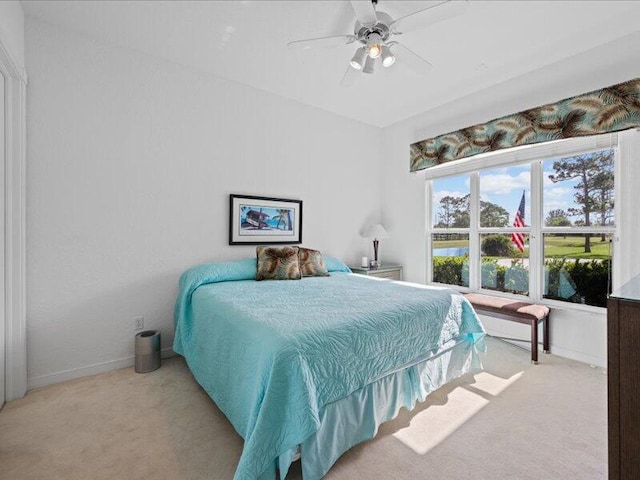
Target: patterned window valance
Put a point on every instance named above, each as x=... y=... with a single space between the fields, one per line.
x=607 y=110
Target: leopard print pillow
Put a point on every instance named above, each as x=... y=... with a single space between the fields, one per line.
x=311 y=263
x=278 y=263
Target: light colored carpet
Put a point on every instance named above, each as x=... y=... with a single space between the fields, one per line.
x=512 y=421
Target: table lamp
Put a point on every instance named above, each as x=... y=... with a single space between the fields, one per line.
x=376 y=232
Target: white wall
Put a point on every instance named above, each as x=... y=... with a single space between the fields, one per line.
x=12 y=29
x=130 y=163
x=131 y=160
x=577 y=335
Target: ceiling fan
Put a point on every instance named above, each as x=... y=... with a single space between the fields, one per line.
x=373 y=34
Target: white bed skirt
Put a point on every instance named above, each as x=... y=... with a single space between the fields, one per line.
x=356 y=418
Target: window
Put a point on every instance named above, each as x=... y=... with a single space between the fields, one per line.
x=578 y=208
x=450 y=253
x=505 y=199
x=503 y=267
x=543 y=228
x=450 y=223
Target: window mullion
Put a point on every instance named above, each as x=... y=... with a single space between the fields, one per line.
x=536 y=247
x=450 y=230
x=428 y=196
x=474 y=237
x=616 y=262
x=578 y=230
x=509 y=230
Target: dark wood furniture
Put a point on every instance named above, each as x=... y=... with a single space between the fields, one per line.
x=623 y=352
x=516 y=311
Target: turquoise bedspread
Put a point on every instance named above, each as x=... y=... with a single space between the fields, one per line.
x=272 y=354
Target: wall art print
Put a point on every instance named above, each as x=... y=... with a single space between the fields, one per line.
x=264 y=220
x=607 y=110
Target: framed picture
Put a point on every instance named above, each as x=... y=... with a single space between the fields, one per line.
x=264 y=221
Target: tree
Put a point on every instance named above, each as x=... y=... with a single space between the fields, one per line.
x=455 y=213
x=594 y=190
x=604 y=194
x=462 y=216
x=492 y=215
x=557 y=218
x=447 y=211
x=284 y=217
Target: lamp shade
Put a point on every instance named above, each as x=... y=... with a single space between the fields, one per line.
x=369 y=65
x=376 y=231
x=357 y=61
x=388 y=58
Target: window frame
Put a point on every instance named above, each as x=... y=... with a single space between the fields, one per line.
x=535 y=156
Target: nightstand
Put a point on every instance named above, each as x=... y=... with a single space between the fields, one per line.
x=393 y=272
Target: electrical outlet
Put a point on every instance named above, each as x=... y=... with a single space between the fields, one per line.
x=138 y=323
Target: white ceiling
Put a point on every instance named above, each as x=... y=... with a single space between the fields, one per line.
x=245 y=41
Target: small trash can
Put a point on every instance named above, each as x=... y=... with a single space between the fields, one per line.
x=147 y=351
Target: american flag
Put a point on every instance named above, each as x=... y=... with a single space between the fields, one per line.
x=518 y=222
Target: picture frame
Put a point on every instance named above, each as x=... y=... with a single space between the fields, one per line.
x=264 y=220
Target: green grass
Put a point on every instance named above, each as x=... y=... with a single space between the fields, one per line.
x=573 y=247
x=555 y=247
x=450 y=243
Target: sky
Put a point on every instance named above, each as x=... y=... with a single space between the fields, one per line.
x=504 y=186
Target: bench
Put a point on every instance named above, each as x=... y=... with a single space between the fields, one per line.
x=516 y=311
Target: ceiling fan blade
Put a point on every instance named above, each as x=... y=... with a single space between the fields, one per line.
x=350 y=77
x=410 y=58
x=365 y=12
x=435 y=13
x=321 y=42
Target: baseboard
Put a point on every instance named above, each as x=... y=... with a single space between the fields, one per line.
x=519 y=334
x=592 y=360
x=555 y=349
x=75 y=373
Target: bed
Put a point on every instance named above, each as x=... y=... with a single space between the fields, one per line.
x=314 y=366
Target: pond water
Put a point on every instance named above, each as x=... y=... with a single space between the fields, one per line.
x=450 y=252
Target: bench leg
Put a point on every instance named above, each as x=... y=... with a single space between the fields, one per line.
x=534 y=341
x=545 y=335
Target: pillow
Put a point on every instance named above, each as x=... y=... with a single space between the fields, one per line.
x=278 y=263
x=311 y=263
x=334 y=265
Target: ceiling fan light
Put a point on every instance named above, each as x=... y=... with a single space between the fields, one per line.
x=374 y=47
x=369 y=65
x=388 y=58
x=357 y=61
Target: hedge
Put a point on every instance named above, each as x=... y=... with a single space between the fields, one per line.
x=450 y=270
x=579 y=282
x=497 y=246
x=569 y=280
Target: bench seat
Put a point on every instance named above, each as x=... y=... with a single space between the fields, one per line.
x=517 y=311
